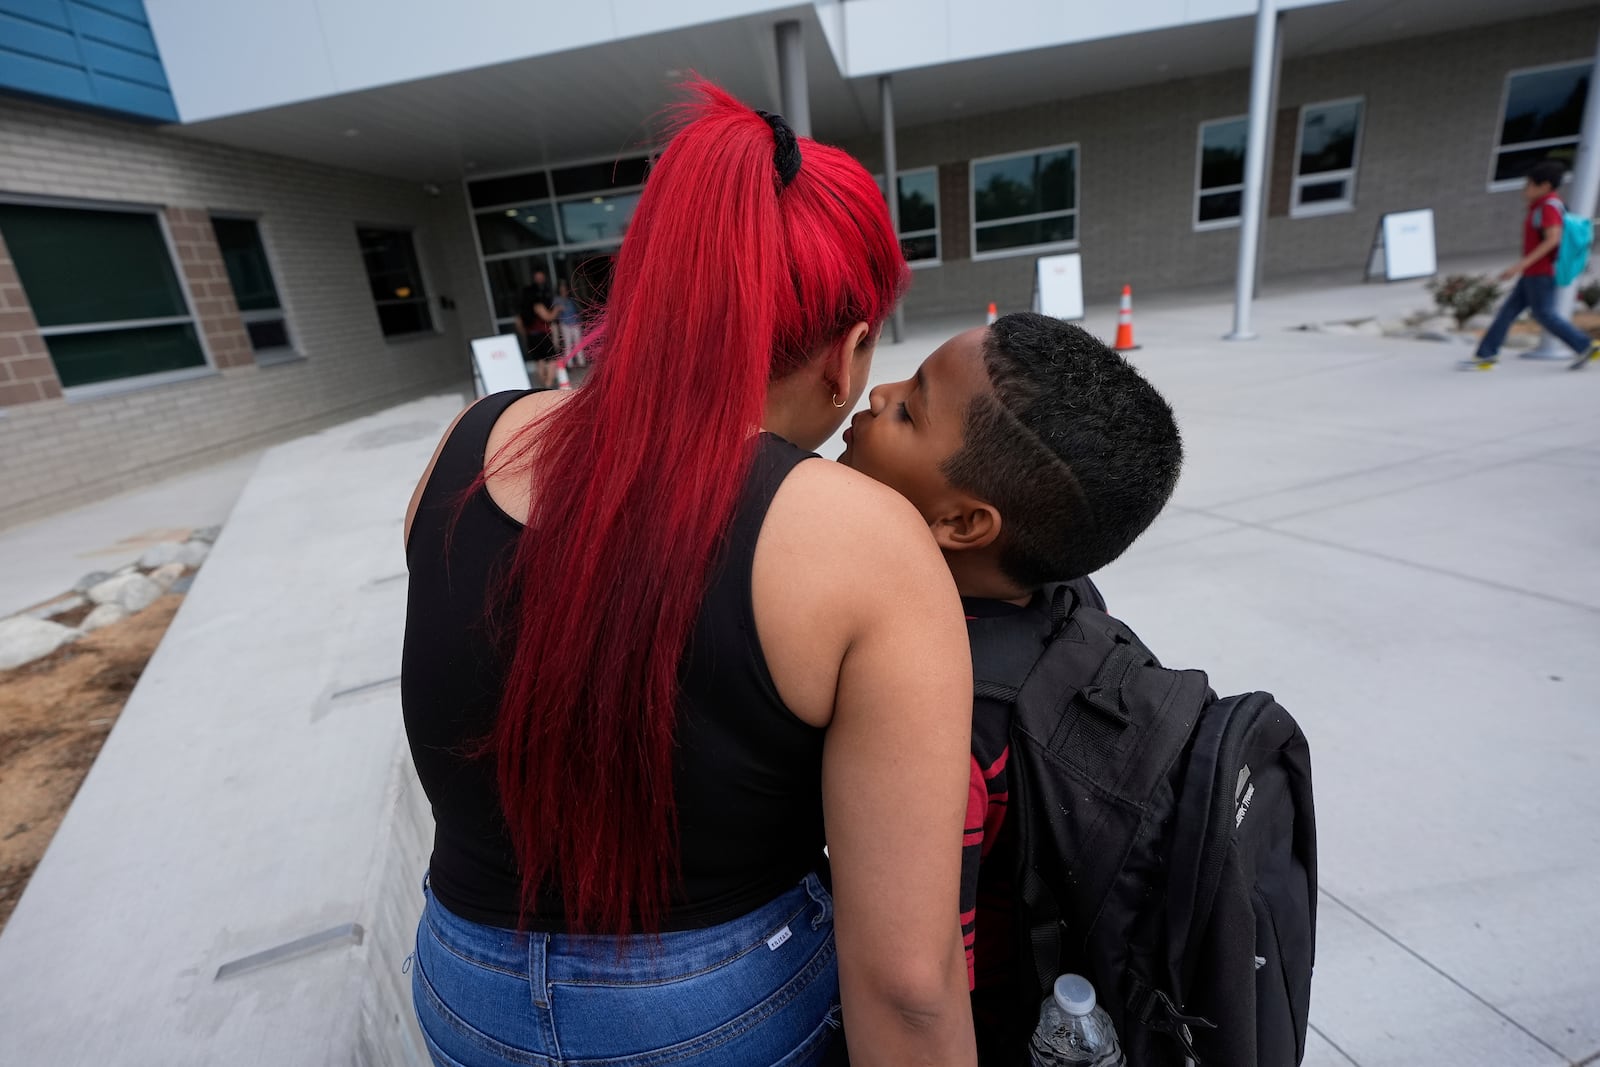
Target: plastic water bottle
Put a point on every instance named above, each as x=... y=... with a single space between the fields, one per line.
x=1072 y=1031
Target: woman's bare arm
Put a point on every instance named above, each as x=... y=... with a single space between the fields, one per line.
x=897 y=753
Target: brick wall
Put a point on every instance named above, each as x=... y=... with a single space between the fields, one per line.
x=1429 y=129
x=26 y=374
x=62 y=451
x=200 y=261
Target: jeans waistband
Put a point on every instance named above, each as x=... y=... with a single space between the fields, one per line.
x=637 y=959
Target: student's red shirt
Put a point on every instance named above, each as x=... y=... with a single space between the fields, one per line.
x=1543 y=215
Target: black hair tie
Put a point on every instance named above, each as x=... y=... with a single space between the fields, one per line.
x=786 y=150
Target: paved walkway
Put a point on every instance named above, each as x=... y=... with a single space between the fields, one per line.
x=1407 y=556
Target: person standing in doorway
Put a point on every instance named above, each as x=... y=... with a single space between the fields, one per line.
x=1535 y=274
x=568 y=324
x=536 y=318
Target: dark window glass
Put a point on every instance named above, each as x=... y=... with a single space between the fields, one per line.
x=508 y=277
x=102 y=356
x=246 y=260
x=1328 y=137
x=918 y=248
x=396 y=281
x=597 y=218
x=1025 y=185
x=517 y=229
x=1222 y=153
x=588 y=273
x=1515 y=165
x=598 y=177
x=1317 y=192
x=512 y=189
x=267 y=334
x=81 y=267
x=1543 y=105
x=919 y=201
x=1023 y=234
x=1217 y=206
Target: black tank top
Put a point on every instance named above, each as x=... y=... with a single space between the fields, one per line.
x=747 y=774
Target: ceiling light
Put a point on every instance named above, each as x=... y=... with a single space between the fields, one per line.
x=611 y=207
x=597 y=200
x=511 y=212
x=352 y=132
x=403 y=292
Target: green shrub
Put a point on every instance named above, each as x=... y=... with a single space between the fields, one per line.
x=1589 y=293
x=1462 y=296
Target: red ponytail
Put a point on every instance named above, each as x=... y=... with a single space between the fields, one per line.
x=725 y=281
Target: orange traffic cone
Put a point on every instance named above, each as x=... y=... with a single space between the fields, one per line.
x=993 y=314
x=1124 y=342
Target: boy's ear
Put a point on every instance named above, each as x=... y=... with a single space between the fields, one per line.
x=966 y=525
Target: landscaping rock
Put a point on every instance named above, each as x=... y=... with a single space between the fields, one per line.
x=1444 y=336
x=130 y=568
x=1437 y=323
x=89 y=581
x=59 y=606
x=132 y=592
x=166 y=574
x=192 y=553
x=104 y=615
x=208 y=534
x=24 y=639
x=1368 y=328
x=160 y=555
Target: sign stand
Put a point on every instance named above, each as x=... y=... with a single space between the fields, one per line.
x=1402 y=247
x=1058 y=286
x=497 y=364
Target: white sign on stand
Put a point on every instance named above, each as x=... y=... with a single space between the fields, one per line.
x=1058 y=286
x=497 y=363
x=1403 y=247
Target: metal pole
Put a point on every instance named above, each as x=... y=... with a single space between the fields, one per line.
x=1584 y=189
x=1255 y=168
x=794 y=101
x=1272 y=138
x=891 y=183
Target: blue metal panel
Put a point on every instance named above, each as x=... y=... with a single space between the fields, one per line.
x=105 y=59
x=98 y=53
x=48 y=12
x=112 y=29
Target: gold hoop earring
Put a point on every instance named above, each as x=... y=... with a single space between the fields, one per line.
x=837 y=402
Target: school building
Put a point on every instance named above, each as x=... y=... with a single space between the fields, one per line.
x=224 y=224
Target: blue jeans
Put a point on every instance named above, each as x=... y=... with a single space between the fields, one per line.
x=760 y=991
x=1538 y=293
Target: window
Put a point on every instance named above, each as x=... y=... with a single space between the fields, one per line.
x=101 y=283
x=597 y=219
x=245 y=258
x=1025 y=202
x=396 y=281
x=1540 y=119
x=1325 y=158
x=566 y=221
x=1219 y=192
x=919 y=215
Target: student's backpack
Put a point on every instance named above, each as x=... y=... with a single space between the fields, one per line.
x=1577 y=238
x=1164 y=840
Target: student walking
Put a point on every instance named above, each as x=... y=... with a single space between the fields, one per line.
x=1535 y=289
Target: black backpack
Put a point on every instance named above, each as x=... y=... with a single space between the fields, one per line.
x=1164 y=841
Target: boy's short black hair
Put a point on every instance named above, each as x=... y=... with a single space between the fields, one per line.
x=1074 y=448
x=1548 y=172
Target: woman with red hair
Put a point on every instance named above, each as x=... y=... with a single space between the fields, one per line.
x=654 y=661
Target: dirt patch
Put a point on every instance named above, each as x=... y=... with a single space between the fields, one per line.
x=54 y=716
